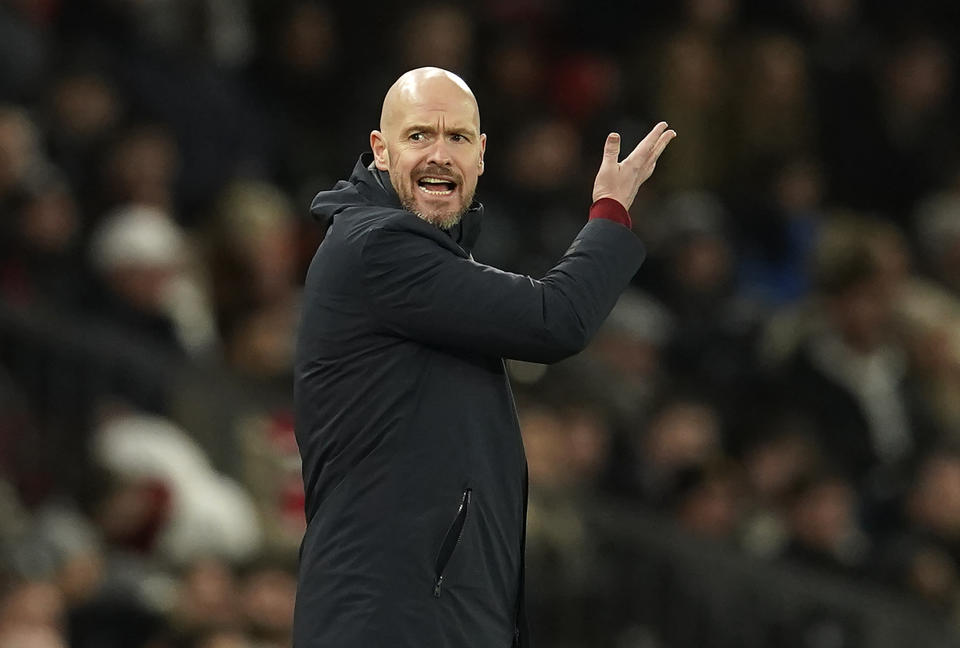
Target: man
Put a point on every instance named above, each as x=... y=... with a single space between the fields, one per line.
x=412 y=458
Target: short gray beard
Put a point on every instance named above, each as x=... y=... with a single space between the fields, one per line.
x=443 y=221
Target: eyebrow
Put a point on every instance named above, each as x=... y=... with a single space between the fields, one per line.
x=429 y=128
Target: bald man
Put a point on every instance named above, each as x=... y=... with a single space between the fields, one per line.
x=413 y=464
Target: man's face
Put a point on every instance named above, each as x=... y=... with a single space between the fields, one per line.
x=432 y=146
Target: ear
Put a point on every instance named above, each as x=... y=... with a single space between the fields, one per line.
x=483 y=149
x=378 y=144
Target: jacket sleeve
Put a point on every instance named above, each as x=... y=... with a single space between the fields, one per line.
x=419 y=289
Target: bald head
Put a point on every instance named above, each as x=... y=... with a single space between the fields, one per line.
x=424 y=87
x=430 y=143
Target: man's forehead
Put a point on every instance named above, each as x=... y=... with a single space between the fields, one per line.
x=430 y=93
x=455 y=116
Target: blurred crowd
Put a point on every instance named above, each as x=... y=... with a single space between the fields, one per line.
x=783 y=377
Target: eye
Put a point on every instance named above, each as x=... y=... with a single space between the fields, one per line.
x=416 y=137
x=458 y=137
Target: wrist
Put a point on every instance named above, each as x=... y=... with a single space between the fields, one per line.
x=611 y=209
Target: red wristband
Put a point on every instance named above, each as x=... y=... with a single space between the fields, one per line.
x=611 y=209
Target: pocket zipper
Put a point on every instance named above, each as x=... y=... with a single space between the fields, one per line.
x=451 y=540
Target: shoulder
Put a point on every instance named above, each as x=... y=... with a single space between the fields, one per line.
x=365 y=222
x=360 y=221
x=364 y=231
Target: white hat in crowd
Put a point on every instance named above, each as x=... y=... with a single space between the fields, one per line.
x=138 y=236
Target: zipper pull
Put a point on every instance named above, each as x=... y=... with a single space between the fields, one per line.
x=436 y=587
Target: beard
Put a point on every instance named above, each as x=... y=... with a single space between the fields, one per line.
x=444 y=218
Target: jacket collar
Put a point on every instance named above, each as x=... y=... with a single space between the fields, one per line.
x=373 y=184
x=376 y=187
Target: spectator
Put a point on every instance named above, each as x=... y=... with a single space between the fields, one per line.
x=628 y=352
x=565 y=453
x=778 y=235
x=930 y=320
x=849 y=378
x=775 y=118
x=450 y=44
x=710 y=501
x=20 y=153
x=41 y=265
x=823 y=525
x=938 y=224
x=200 y=511
x=693 y=275
x=254 y=262
x=266 y=595
x=299 y=61
x=32 y=613
x=681 y=438
x=933 y=504
x=25 y=49
x=775 y=467
x=84 y=110
x=209 y=599
x=142 y=168
x=692 y=90
x=143 y=262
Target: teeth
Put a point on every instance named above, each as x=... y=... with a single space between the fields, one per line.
x=435 y=193
x=433 y=180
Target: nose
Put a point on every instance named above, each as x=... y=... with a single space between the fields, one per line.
x=439 y=153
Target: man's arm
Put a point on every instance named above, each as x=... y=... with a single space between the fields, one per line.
x=424 y=292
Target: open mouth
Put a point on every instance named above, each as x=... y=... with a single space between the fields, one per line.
x=434 y=186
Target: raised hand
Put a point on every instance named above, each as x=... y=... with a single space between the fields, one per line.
x=621 y=180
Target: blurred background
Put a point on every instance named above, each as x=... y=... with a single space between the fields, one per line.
x=762 y=446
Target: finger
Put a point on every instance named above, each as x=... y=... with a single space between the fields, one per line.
x=611 y=149
x=662 y=142
x=655 y=132
x=647 y=144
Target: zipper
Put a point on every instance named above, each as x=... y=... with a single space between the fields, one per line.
x=451 y=540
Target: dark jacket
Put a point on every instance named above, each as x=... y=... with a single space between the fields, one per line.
x=413 y=464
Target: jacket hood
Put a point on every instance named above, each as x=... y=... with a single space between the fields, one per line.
x=369 y=185
x=364 y=186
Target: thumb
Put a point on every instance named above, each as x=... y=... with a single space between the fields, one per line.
x=611 y=149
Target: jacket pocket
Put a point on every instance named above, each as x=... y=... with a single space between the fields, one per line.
x=450 y=542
